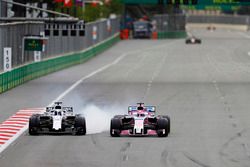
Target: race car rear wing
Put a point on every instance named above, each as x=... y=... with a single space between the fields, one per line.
x=151 y=109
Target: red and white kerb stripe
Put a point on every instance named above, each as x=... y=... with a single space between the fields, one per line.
x=14 y=126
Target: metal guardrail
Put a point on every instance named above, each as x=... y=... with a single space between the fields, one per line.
x=168 y=23
x=60 y=44
x=22 y=74
x=174 y=26
x=170 y=26
x=226 y=19
x=11 y=36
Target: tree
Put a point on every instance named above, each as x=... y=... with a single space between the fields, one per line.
x=93 y=13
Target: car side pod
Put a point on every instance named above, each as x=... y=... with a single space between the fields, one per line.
x=115 y=127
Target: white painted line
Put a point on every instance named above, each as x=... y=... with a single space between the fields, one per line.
x=14 y=123
x=7 y=143
x=27 y=113
x=244 y=35
x=20 y=117
x=101 y=70
x=6 y=129
x=9 y=128
x=86 y=77
x=248 y=53
x=5 y=135
x=30 y=110
x=12 y=128
x=11 y=125
x=189 y=34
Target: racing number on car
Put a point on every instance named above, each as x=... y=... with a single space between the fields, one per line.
x=7 y=59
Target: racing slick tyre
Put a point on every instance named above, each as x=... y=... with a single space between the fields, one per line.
x=115 y=127
x=168 y=118
x=34 y=125
x=162 y=124
x=80 y=125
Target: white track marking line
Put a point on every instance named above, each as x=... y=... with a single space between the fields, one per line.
x=72 y=87
x=86 y=77
x=11 y=130
x=155 y=74
x=244 y=35
x=12 y=139
x=189 y=34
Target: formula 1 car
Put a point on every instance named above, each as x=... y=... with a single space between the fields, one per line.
x=140 y=121
x=193 y=40
x=57 y=119
x=142 y=29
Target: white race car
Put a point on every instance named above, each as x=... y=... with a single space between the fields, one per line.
x=193 y=40
x=57 y=119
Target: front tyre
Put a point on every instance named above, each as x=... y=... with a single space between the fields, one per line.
x=34 y=125
x=80 y=125
x=162 y=125
x=168 y=118
x=115 y=127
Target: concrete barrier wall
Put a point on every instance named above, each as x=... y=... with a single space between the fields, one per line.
x=233 y=22
x=218 y=26
x=219 y=19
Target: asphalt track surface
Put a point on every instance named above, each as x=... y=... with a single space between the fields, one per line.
x=204 y=88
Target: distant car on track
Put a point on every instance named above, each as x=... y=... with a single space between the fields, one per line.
x=142 y=29
x=57 y=119
x=140 y=121
x=193 y=40
x=211 y=28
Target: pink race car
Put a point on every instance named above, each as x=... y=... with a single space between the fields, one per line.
x=140 y=121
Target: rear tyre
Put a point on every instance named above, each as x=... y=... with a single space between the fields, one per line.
x=34 y=125
x=80 y=125
x=162 y=124
x=115 y=127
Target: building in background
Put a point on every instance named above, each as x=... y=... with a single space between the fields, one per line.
x=3 y=9
x=10 y=10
